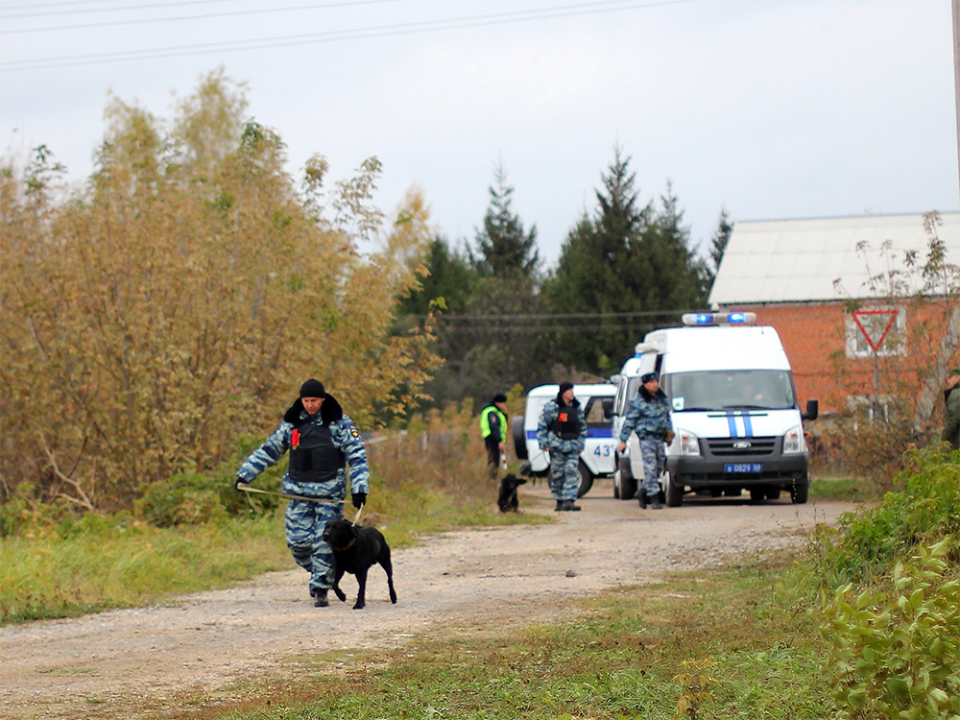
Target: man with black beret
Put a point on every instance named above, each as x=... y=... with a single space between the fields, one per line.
x=322 y=442
x=562 y=431
x=649 y=417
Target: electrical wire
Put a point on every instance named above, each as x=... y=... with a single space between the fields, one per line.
x=93 y=10
x=232 y=13
x=353 y=34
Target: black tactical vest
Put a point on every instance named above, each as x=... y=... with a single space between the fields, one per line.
x=315 y=458
x=566 y=425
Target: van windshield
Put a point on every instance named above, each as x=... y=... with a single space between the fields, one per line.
x=730 y=390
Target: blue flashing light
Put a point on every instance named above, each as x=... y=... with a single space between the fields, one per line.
x=733 y=318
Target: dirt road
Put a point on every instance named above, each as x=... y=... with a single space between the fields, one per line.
x=106 y=665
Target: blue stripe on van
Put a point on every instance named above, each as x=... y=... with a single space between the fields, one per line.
x=747 y=425
x=732 y=424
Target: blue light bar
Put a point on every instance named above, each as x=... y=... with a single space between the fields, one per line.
x=734 y=318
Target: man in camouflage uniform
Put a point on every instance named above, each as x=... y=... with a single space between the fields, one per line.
x=321 y=441
x=951 y=396
x=562 y=431
x=649 y=417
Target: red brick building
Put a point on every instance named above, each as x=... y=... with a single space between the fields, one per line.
x=849 y=300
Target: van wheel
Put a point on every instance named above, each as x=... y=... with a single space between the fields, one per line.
x=798 y=491
x=519 y=438
x=586 y=479
x=773 y=493
x=672 y=490
x=758 y=495
x=624 y=486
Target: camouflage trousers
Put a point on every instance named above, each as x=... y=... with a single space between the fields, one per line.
x=564 y=480
x=305 y=524
x=654 y=455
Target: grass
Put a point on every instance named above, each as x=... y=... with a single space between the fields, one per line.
x=737 y=631
x=115 y=563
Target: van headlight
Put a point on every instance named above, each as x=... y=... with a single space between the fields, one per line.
x=689 y=444
x=793 y=441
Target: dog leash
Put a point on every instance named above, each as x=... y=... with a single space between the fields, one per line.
x=247 y=488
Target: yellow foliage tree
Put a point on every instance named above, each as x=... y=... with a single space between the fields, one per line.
x=177 y=300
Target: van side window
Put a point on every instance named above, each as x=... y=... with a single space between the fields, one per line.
x=593 y=413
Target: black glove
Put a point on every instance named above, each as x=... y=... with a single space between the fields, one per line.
x=236 y=484
x=359 y=500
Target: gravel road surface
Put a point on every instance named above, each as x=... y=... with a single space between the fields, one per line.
x=107 y=665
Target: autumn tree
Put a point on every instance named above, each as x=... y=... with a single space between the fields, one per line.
x=175 y=300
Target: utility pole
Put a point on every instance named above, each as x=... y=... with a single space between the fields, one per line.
x=956 y=72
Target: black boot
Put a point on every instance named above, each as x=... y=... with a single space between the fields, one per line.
x=559 y=507
x=570 y=506
x=642 y=497
x=320 y=598
x=656 y=503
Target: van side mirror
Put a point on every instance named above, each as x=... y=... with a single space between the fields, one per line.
x=813 y=410
x=607 y=408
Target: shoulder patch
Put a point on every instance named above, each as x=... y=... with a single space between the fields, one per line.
x=354 y=432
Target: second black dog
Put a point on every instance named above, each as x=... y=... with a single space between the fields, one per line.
x=355 y=549
x=508 y=500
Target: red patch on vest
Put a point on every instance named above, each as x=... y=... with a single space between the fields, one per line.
x=563 y=417
x=295 y=439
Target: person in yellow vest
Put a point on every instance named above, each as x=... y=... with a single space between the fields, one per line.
x=493 y=429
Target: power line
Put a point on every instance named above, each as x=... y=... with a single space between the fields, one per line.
x=552 y=316
x=354 y=34
x=233 y=13
x=94 y=10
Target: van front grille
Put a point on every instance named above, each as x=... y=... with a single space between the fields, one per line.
x=740 y=447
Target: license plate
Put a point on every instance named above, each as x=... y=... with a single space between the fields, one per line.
x=743 y=468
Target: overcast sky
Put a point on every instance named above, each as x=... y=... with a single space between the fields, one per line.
x=773 y=109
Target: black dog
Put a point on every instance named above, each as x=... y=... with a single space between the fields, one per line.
x=355 y=549
x=508 y=501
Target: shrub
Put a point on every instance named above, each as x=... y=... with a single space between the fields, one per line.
x=867 y=542
x=897 y=657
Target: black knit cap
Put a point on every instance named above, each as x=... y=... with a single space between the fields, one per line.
x=312 y=389
x=647 y=377
x=499 y=397
x=564 y=386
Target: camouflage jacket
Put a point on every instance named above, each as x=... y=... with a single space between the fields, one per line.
x=345 y=437
x=648 y=416
x=549 y=440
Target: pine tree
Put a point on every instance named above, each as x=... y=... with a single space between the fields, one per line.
x=503 y=245
x=721 y=236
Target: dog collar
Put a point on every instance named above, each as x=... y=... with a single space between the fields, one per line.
x=347 y=546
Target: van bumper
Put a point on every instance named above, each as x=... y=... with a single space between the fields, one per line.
x=702 y=472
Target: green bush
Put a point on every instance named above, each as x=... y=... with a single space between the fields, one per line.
x=866 y=543
x=896 y=657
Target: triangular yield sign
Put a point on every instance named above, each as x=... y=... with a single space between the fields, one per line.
x=875 y=344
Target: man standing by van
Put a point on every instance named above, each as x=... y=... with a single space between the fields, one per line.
x=562 y=431
x=649 y=417
x=493 y=429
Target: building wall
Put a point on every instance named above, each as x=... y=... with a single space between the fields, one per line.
x=814 y=337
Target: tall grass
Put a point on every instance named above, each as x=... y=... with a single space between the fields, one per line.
x=428 y=477
x=130 y=563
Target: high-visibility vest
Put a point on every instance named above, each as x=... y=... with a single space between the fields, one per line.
x=485 y=422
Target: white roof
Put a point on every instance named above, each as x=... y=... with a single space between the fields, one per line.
x=800 y=260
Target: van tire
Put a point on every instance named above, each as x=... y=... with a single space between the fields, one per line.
x=519 y=438
x=758 y=495
x=672 y=491
x=586 y=479
x=799 y=491
x=624 y=486
x=773 y=493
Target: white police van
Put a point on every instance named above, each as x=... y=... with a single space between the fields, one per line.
x=734 y=410
x=598 y=456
